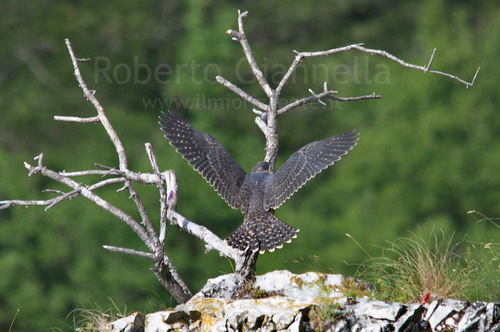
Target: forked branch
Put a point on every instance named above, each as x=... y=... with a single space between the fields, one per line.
x=242 y=38
x=163 y=267
x=267 y=112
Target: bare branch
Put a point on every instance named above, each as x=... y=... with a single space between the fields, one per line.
x=84 y=173
x=475 y=76
x=146 y=221
x=372 y=96
x=203 y=234
x=241 y=93
x=60 y=192
x=163 y=267
x=258 y=112
x=431 y=59
x=168 y=276
x=89 y=194
x=17 y=202
x=318 y=98
x=63 y=197
x=301 y=102
x=165 y=272
x=142 y=178
x=77 y=119
x=129 y=251
x=100 y=112
x=385 y=54
x=290 y=71
x=152 y=159
x=160 y=184
x=267 y=121
x=106 y=182
x=78 y=190
x=241 y=37
x=325 y=94
x=262 y=124
x=172 y=188
x=212 y=241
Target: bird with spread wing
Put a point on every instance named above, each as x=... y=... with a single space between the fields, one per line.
x=260 y=192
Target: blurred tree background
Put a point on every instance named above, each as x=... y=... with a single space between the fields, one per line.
x=429 y=150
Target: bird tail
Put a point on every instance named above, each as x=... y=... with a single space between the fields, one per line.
x=261 y=231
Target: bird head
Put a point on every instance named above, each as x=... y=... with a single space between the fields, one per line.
x=261 y=167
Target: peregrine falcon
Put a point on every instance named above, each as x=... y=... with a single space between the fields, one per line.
x=259 y=193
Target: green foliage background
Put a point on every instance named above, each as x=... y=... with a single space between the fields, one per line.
x=429 y=151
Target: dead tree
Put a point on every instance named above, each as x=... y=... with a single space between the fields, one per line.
x=154 y=234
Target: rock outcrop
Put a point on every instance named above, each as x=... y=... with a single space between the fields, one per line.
x=282 y=301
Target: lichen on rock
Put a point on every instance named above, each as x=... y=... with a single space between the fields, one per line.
x=312 y=301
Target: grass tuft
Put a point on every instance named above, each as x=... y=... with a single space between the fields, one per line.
x=413 y=266
x=95 y=320
x=483 y=259
x=323 y=316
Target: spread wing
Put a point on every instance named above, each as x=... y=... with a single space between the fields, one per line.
x=207 y=156
x=305 y=164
